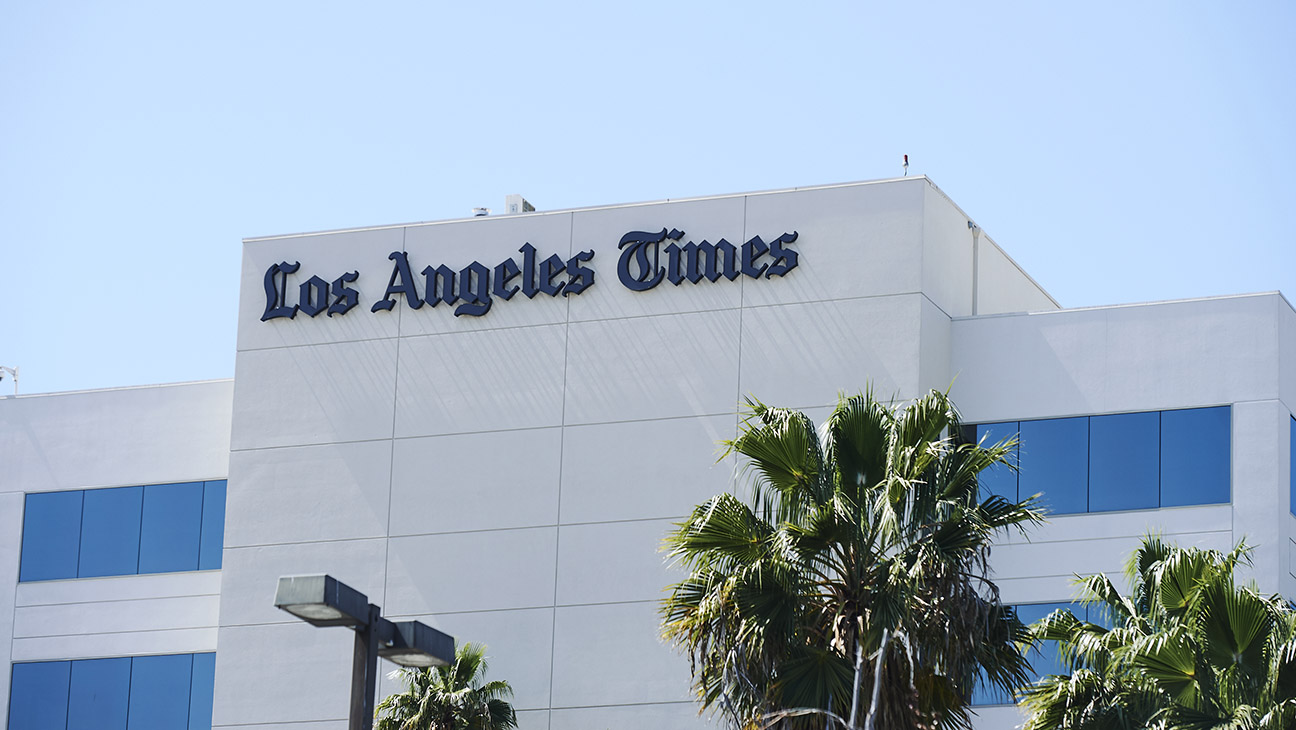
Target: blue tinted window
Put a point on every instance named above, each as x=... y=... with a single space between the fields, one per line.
x=1291 y=465
x=999 y=479
x=200 y=691
x=51 y=537
x=38 y=696
x=1045 y=659
x=99 y=694
x=170 y=527
x=1195 y=448
x=213 y=525
x=1124 y=461
x=110 y=532
x=159 y=692
x=1055 y=462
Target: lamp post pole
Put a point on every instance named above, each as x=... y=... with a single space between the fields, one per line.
x=321 y=600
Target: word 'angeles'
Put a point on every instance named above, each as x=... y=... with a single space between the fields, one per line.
x=475 y=287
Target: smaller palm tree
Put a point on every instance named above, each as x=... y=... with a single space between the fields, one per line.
x=454 y=697
x=1188 y=649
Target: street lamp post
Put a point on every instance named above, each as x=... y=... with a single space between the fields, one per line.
x=322 y=600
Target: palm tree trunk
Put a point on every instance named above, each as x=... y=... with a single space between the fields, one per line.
x=870 y=720
x=859 y=679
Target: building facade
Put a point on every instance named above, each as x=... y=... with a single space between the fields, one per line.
x=490 y=424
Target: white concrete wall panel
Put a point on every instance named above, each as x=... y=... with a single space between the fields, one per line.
x=305 y=493
x=934 y=349
x=854 y=241
x=95 y=646
x=480 y=381
x=488 y=241
x=1260 y=511
x=611 y=655
x=295 y=396
x=946 y=254
x=328 y=256
x=1001 y=285
x=251 y=575
x=477 y=481
x=601 y=229
x=282 y=673
x=518 y=646
x=119 y=588
x=644 y=469
x=1286 y=351
x=11 y=520
x=116 y=617
x=1132 y=358
x=664 y=366
x=471 y=571
x=674 y=715
x=803 y=355
x=614 y=562
x=122 y=437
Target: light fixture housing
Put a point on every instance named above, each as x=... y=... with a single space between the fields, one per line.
x=322 y=600
x=415 y=644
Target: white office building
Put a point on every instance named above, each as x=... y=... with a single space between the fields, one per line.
x=489 y=425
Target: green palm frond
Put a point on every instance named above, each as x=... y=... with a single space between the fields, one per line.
x=871 y=525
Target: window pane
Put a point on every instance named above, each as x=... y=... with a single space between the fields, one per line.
x=213 y=525
x=38 y=696
x=169 y=531
x=99 y=693
x=1055 y=462
x=998 y=479
x=1124 y=461
x=159 y=692
x=1195 y=447
x=110 y=532
x=51 y=536
x=1291 y=466
x=1046 y=659
x=200 y=692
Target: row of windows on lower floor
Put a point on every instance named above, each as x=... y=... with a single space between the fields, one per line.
x=170 y=692
x=1123 y=461
x=158 y=528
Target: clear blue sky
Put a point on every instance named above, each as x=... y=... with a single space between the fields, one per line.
x=1119 y=151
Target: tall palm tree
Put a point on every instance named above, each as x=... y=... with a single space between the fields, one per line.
x=1188 y=649
x=861 y=557
x=454 y=697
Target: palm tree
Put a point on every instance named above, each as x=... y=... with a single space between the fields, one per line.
x=868 y=541
x=449 y=698
x=1188 y=649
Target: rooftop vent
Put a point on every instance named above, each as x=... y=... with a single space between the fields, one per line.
x=514 y=204
x=481 y=212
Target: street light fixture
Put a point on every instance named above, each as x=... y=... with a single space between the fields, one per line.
x=322 y=600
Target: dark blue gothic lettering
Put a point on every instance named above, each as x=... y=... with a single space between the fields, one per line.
x=346 y=297
x=582 y=277
x=529 y=287
x=276 y=288
x=439 y=284
x=635 y=245
x=401 y=282
x=312 y=296
x=550 y=268
x=693 y=261
x=504 y=272
x=751 y=251
x=474 y=290
x=785 y=259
